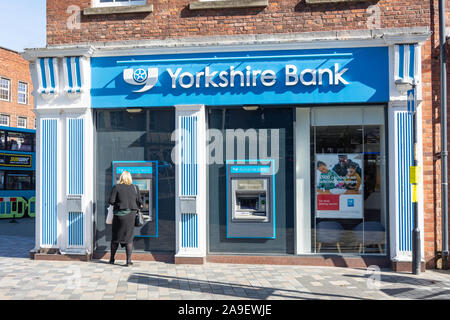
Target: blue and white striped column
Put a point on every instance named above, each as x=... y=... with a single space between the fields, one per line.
x=191 y=182
x=48 y=186
x=407 y=71
x=75 y=175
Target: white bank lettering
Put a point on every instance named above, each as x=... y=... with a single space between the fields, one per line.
x=249 y=77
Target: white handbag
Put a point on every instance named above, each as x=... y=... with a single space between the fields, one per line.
x=110 y=216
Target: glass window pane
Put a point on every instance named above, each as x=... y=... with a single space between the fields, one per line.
x=278 y=123
x=348 y=202
x=19 y=181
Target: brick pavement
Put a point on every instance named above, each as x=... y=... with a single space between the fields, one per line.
x=22 y=278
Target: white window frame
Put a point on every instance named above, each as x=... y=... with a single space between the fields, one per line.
x=9 y=89
x=18 y=121
x=129 y=3
x=8 y=117
x=22 y=92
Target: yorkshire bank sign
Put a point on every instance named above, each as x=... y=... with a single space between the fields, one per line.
x=354 y=75
x=235 y=78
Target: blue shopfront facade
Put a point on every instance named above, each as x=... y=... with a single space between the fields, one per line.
x=306 y=110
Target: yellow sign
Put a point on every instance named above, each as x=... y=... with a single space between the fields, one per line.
x=414 y=193
x=414 y=174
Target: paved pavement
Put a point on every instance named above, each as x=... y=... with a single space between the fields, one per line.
x=22 y=278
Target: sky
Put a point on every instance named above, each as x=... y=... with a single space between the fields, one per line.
x=22 y=24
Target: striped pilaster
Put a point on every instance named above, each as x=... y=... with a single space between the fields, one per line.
x=49 y=191
x=404 y=160
x=190 y=182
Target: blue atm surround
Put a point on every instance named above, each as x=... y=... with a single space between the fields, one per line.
x=141 y=170
x=248 y=170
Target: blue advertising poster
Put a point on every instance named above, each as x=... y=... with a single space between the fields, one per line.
x=345 y=75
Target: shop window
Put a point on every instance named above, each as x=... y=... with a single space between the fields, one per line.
x=4 y=120
x=22 y=97
x=5 y=88
x=348 y=181
x=142 y=136
x=242 y=134
x=114 y=3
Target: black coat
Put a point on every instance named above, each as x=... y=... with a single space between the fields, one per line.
x=124 y=196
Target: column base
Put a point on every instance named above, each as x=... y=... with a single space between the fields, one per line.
x=190 y=260
x=406 y=266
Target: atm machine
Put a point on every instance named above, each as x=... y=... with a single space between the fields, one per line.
x=250 y=200
x=145 y=176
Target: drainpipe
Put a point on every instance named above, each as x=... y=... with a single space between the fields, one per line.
x=444 y=153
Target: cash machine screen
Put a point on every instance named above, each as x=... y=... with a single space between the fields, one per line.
x=250 y=199
x=144 y=186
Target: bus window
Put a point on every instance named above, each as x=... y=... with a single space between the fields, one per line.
x=2 y=139
x=19 y=141
x=2 y=180
x=19 y=181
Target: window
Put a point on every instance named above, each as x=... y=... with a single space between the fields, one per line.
x=348 y=181
x=17 y=180
x=19 y=141
x=21 y=122
x=22 y=97
x=114 y=3
x=4 y=120
x=5 y=87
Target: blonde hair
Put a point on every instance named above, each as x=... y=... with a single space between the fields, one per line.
x=125 y=177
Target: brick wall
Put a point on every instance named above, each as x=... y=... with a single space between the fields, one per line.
x=173 y=19
x=15 y=68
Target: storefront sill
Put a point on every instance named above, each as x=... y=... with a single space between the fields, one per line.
x=199 y=5
x=305 y=260
x=138 y=256
x=116 y=10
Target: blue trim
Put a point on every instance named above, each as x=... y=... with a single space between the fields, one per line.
x=77 y=65
x=412 y=52
x=43 y=76
x=401 y=61
x=52 y=73
x=69 y=73
x=17 y=129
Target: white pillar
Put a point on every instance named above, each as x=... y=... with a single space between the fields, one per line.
x=190 y=159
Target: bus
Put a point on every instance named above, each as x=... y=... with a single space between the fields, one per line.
x=17 y=172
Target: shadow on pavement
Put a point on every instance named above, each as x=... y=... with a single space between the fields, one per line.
x=234 y=290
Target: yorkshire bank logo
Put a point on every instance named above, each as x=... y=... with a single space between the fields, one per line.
x=230 y=78
x=148 y=78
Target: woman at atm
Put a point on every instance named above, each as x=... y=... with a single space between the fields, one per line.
x=126 y=201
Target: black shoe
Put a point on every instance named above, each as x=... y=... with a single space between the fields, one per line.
x=129 y=263
x=111 y=261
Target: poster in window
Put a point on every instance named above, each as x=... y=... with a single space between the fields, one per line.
x=339 y=185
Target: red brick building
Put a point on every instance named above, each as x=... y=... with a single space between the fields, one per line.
x=16 y=101
x=87 y=29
